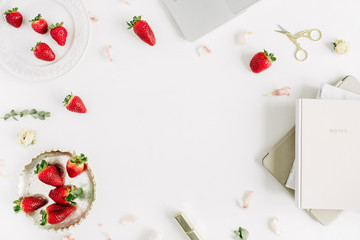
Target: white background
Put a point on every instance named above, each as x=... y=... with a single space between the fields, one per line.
x=167 y=130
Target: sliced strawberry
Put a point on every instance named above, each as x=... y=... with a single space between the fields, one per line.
x=74 y=104
x=39 y=24
x=58 y=33
x=65 y=195
x=13 y=17
x=143 y=30
x=56 y=213
x=29 y=204
x=43 y=51
x=49 y=174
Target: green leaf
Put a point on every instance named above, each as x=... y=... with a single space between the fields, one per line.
x=7 y=116
x=13 y=113
x=33 y=111
x=41 y=117
x=14 y=118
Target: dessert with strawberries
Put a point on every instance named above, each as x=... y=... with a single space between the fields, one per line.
x=48 y=195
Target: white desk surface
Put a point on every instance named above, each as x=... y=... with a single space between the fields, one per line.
x=167 y=130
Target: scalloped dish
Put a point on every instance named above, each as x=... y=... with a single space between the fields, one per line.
x=30 y=185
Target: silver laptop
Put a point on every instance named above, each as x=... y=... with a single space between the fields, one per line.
x=198 y=17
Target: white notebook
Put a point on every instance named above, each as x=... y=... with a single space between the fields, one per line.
x=328 y=154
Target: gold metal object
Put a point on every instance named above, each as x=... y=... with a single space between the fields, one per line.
x=187 y=226
x=295 y=37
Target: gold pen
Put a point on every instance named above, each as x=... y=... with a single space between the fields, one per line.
x=187 y=226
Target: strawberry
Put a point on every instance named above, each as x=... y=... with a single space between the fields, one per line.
x=49 y=174
x=43 y=51
x=74 y=104
x=13 y=17
x=39 y=24
x=65 y=195
x=56 y=213
x=58 y=33
x=76 y=165
x=143 y=30
x=261 y=61
x=29 y=204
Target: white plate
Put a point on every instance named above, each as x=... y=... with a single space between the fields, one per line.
x=15 y=43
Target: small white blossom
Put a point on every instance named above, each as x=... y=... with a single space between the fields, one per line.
x=341 y=47
x=26 y=137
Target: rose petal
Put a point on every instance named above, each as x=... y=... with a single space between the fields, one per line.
x=108 y=54
x=128 y=219
x=69 y=237
x=93 y=18
x=156 y=236
x=245 y=204
x=241 y=40
x=275 y=226
x=203 y=49
x=285 y=91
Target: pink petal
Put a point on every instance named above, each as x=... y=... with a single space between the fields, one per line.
x=203 y=49
x=242 y=38
x=69 y=237
x=129 y=219
x=285 y=91
x=108 y=54
x=93 y=18
x=245 y=204
x=126 y=2
x=275 y=226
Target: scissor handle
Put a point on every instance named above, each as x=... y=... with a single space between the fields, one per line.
x=298 y=51
x=308 y=34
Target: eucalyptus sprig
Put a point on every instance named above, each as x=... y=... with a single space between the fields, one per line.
x=32 y=112
x=242 y=233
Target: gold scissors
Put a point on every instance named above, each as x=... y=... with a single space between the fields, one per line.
x=294 y=38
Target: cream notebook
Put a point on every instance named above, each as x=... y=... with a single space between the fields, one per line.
x=328 y=154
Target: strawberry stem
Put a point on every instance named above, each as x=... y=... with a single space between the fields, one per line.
x=67 y=99
x=73 y=194
x=11 y=10
x=132 y=23
x=43 y=220
x=37 y=18
x=17 y=207
x=270 y=56
x=78 y=159
x=52 y=26
x=39 y=167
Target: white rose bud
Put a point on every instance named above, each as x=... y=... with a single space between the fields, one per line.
x=341 y=47
x=26 y=137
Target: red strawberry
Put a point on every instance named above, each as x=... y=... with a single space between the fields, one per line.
x=58 y=33
x=49 y=174
x=39 y=24
x=143 y=30
x=74 y=104
x=43 y=51
x=13 y=17
x=261 y=61
x=29 y=204
x=65 y=195
x=56 y=213
x=76 y=165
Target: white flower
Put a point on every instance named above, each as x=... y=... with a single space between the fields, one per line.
x=26 y=137
x=341 y=47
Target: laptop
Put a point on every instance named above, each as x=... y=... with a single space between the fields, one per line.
x=198 y=17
